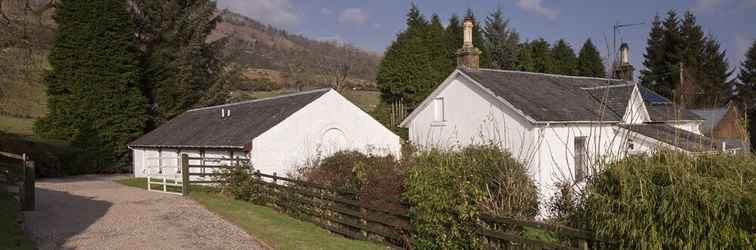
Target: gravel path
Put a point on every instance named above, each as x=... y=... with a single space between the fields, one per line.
x=93 y=212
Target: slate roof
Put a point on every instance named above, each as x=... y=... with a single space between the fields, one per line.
x=551 y=98
x=674 y=136
x=711 y=117
x=204 y=128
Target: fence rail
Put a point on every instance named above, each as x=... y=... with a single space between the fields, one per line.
x=18 y=171
x=343 y=213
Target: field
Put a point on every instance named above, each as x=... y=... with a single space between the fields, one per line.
x=14 y=125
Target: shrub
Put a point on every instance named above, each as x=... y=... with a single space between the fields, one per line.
x=448 y=190
x=241 y=184
x=374 y=180
x=674 y=201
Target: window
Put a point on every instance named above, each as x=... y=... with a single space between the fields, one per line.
x=438 y=109
x=581 y=159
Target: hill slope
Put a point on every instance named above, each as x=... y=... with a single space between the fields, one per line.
x=271 y=56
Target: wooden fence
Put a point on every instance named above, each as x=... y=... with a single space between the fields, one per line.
x=18 y=172
x=342 y=213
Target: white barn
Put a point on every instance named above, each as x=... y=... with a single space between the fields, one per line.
x=559 y=126
x=277 y=134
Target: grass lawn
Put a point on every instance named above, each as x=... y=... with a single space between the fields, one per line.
x=16 y=125
x=11 y=236
x=277 y=230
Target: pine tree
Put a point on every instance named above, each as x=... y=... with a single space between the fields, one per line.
x=747 y=77
x=501 y=41
x=181 y=65
x=525 y=60
x=543 y=61
x=589 y=61
x=454 y=37
x=406 y=73
x=94 y=99
x=565 y=62
x=713 y=72
x=663 y=55
x=439 y=49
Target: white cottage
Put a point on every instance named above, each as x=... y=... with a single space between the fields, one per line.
x=557 y=125
x=277 y=134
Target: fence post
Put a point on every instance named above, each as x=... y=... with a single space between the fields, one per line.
x=184 y=174
x=583 y=244
x=28 y=185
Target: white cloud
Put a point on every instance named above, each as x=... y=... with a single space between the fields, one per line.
x=353 y=16
x=535 y=6
x=743 y=42
x=326 y=11
x=274 y=12
x=722 y=6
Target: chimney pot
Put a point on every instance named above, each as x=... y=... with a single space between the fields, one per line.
x=468 y=56
x=623 y=69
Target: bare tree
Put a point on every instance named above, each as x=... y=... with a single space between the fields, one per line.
x=338 y=67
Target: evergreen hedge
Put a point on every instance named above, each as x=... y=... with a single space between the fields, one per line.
x=672 y=200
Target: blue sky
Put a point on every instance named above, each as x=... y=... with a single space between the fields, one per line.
x=373 y=24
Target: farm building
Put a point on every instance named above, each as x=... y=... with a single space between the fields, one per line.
x=559 y=126
x=277 y=134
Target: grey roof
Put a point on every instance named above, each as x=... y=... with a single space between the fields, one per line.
x=670 y=112
x=711 y=117
x=557 y=98
x=203 y=127
x=615 y=97
x=674 y=136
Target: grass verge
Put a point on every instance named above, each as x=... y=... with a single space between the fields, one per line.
x=11 y=236
x=277 y=230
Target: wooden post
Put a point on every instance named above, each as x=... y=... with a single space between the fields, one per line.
x=28 y=200
x=583 y=244
x=184 y=174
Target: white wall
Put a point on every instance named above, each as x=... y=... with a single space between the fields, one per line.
x=472 y=117
x=328 y=124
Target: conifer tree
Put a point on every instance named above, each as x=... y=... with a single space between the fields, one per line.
x=454 y=36
x=589 y=61
x=663 y=54
x=406 y=73
x=501 y=41
x=713 y=72
x=94 y=99
x=565 y=62
x=746 y=89
x=543 y=61
x=439 y=49
x=181 y=66
x=525 y=58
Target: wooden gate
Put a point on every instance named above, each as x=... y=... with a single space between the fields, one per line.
x=18 y=173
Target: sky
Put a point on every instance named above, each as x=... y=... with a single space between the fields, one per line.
x=373 y=24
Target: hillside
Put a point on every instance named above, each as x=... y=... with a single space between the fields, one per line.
x=259 y=46
x=274 y=61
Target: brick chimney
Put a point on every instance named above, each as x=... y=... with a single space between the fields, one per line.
x=623 y=69
x=468 y=56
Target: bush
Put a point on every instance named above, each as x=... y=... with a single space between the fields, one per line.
x=374 y=180
x=241 y=184
x=674 y=201
x=51 y=158
x=448 y=190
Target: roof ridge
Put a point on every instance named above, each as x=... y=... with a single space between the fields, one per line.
x=609 y=86
x=262 y=99
x=554 y=75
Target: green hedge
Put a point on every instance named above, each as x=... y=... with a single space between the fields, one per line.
x=449 y=189
x=674 y=201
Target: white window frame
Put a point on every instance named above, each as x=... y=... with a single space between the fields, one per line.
x=439 y=110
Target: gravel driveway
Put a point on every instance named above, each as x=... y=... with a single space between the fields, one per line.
x=93 y=212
